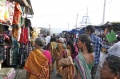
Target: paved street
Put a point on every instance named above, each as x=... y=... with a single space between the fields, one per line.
x=21 y=74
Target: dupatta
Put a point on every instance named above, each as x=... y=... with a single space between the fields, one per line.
x=82 y=66
x=37 y=64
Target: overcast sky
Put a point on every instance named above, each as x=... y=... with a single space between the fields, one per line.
x=60 y=13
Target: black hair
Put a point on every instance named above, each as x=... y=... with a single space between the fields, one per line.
x=113 y=63
x=53 y=39
x=40 y=42
x=31 y=29
x=44 y=36
x=87 y=40
x=72 y=46
x=27 y=22
x=118 y=38
x=90 y=28
x=109 y=27
x=53 y=34
x=48 y=34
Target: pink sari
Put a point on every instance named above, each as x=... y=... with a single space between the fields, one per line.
x=48 y=56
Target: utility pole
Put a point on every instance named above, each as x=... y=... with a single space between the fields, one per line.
x=49 y=29
x=104 y=12
x=76 y=20
x=87 y=16
x=87 y=12
x=68 y=26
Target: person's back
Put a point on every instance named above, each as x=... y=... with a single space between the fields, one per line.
x=36 y=64
x=47 y=39
x=48 y=56
x=114 y=50
x=90 y=60
x=85 y=58
x=96 y=42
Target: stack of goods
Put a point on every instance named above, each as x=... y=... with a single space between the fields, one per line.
x=7 y=73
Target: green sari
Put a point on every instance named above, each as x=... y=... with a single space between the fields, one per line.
x=82 y=66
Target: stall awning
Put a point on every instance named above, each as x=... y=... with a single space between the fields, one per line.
x=29 y=10
x=27 y=4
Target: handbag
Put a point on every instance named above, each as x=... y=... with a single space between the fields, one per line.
x=66 y=61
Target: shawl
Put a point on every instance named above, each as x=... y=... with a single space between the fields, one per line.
x=37 y=64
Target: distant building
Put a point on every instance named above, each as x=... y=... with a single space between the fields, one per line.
x=45 y=31
x=85 y=21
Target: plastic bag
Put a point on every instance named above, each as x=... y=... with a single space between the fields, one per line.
x=111 y=36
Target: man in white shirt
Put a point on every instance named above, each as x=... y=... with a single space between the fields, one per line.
x=47 y=41
x=115 y=49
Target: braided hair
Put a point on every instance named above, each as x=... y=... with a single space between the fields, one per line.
x=86 y=39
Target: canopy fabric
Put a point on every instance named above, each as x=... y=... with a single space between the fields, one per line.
x=74 y=31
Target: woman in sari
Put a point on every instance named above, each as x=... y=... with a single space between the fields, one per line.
x=60 y=47
x=71 y=47
x=85 y=58
x=36 y=64
x=48 y=56
x=52 y=49
x=67 y=70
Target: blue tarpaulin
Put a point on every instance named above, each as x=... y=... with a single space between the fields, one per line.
x=74 y=31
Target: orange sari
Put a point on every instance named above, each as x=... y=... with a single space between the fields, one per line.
x=68 y=72
x=37 y=65
x=52 y=51
x=60 y=49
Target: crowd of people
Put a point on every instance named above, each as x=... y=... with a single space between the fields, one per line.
x=74 y=58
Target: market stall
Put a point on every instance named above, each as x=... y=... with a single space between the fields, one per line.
x=15 y=30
